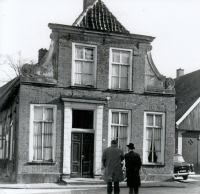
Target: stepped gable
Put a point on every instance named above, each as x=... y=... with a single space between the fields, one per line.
x=98 y=17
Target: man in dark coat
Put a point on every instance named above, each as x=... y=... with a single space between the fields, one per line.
x=133 y=165
x=112 y=161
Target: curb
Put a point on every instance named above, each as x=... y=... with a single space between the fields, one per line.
x=72 y=186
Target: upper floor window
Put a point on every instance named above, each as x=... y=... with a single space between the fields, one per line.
x=154 y=138
x=120 y=69
x=84 y=65
x=42 y=133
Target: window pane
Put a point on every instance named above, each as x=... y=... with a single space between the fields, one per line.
x=78 y=72
x=116 y=56
x=122 y=142
x=38 y=113
x=149 y=120
x=115 y=76
x=82 y=119
x=114 y=132
x=49 y=114
x=115 y=118
x=125 y=57
x=158 y=120
x=89 y=54
x=124 y=118
x=88 y=67
x=47 y=142
x=37 y=141
x=88 y=73
x=87 y=80
x=79 y=52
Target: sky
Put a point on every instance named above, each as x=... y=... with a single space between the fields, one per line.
x=174 y=23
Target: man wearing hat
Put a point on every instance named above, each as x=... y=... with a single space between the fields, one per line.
x=133 y=165
x=112 y=161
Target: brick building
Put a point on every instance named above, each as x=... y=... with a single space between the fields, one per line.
x=97 y=82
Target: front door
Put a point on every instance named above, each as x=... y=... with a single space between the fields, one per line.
x=82 y=151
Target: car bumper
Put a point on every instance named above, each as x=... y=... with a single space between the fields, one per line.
x=181 y=174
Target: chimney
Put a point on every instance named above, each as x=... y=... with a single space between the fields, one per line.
x=87 y=3
x=41 y=54
x=179 y=72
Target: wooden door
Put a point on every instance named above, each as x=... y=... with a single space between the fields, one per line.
x=82 y=152
x=190 y=149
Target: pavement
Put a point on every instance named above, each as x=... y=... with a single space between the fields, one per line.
x=81 y=183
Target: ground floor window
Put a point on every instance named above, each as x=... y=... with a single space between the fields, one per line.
x=154 y=135
x=42 y=133
x=120 y=127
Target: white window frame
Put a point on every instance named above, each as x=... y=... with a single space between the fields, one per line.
x=130 y=68
x=110 y=123
x=162 y=138
x=31 y=151
x=73 y=63
x=2 y=146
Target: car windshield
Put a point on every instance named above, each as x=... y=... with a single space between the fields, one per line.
x=178 y=159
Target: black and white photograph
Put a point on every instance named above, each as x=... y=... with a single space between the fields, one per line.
x=99 y=96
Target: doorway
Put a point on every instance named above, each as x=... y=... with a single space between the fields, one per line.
x=82 y=152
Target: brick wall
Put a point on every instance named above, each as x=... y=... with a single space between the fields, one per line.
x=136 y=101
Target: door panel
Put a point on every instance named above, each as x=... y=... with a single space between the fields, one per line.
x=87 y=153
x=75 y=160
x=82 y=155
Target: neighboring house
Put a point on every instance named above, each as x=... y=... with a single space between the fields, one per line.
x=97 y=82
x=188 y=116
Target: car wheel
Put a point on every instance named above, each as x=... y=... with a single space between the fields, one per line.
x=185 y=177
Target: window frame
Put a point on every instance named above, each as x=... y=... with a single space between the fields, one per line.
x=73 y=63
x=110 y=124
x=130 y=68
x=31 y=150
x=162 y=137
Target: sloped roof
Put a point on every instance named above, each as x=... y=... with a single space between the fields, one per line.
x=98 y=17
x=187 y=92
x=3 y=88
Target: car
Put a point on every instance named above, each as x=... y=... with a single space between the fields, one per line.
x=182 y=168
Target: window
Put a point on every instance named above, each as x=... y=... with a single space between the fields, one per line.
x=120 y=127
x=42 y=133
x=84 y=65
x=154 y=134
x=82 y=119
x=120 y=69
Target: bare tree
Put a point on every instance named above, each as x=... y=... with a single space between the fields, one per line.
x=15 y=63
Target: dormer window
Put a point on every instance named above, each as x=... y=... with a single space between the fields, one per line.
x=84 y=65
x=120 y=69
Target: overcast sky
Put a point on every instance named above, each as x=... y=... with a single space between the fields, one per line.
x=174 y=23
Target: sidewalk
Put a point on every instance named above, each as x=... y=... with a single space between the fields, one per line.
x=85 y=184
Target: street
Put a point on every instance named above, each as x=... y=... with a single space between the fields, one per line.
x=190 y=186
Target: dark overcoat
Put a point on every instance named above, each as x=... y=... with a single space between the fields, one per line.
x=133 y=165
x=111 y=159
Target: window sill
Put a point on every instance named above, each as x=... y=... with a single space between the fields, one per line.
x=40 y=163
x=83 y=87
x=120 y=90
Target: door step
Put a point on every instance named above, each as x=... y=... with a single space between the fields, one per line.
x=84 y=181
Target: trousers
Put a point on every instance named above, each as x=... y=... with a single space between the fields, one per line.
x=136 y=190
x=116 y=187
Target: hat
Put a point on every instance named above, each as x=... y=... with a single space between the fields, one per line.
x=131 y=146
x=114 y=142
